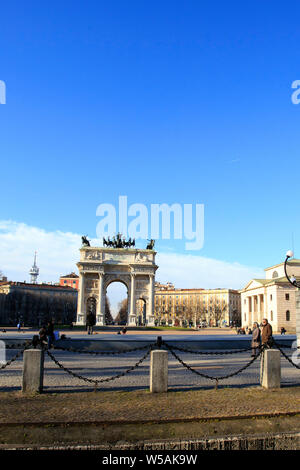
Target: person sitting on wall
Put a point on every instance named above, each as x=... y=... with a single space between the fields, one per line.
x=43 y=336
x=282 y=331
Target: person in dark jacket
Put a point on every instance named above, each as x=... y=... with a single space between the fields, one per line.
x=266 y=333
x=43 y=336
x=256 y=339
x=90 y=322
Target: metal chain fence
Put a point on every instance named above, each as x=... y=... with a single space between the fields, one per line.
x=96 y=382
x=19 y=354
x=173 y=351
x=210 y=377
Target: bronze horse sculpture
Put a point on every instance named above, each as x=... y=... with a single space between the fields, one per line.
x=150 y=245
x=85 y=241
x=118 y=242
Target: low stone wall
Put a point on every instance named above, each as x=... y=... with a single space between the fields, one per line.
x=284 y=441
x=124 y=343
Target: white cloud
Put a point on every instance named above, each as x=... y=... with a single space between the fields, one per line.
x=190 y=271
x=58 y=253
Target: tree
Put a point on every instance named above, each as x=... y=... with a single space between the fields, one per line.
x=216 y=311
x=123 y=312
x=236 y=317
x=108 y=316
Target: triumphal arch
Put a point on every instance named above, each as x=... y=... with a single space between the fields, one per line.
x=99 y=267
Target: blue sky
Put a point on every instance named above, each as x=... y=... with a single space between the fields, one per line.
x=186 y=102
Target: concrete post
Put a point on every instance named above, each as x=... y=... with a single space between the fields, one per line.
x=159 y=371
x=270 y=371
x=33 y=371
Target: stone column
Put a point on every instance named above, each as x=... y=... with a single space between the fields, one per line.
x=255 y=302
x=249 y=319
x=132 y=313
x=150 y=316
x=297 y=295
x=100 y=314
x=263 y=313
x=80 y=301
x=259 y=309
x=253 y=310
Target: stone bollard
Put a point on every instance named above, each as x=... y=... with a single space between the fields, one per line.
x=33 y=371
x=159 y=371
x=270 y=371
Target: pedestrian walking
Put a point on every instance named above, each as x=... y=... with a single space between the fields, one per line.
x=266 y=334
x=50 y=333
x=90 y=322
x=256 y=340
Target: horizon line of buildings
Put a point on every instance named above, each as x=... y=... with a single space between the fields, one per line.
x=272 y=297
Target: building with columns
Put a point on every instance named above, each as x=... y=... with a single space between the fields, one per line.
x=273 y=298
x=99 y=267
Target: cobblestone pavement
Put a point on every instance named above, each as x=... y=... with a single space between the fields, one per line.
x=97 y=367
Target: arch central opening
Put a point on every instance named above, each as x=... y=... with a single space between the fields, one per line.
x=117 y=300
x=141 y=312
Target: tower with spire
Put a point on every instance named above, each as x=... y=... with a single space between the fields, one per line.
x=34 y=271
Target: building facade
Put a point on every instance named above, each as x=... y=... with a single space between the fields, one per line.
x=35 y=304
x=70 y=280
x=192 y=306
x=272 y=298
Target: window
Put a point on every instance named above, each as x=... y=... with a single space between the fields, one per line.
x=287 y=315
x=271 y=315
x=275 y=274
x=271 y=297
x=287 y=296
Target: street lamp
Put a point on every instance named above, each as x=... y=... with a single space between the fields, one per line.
x=292 y=280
